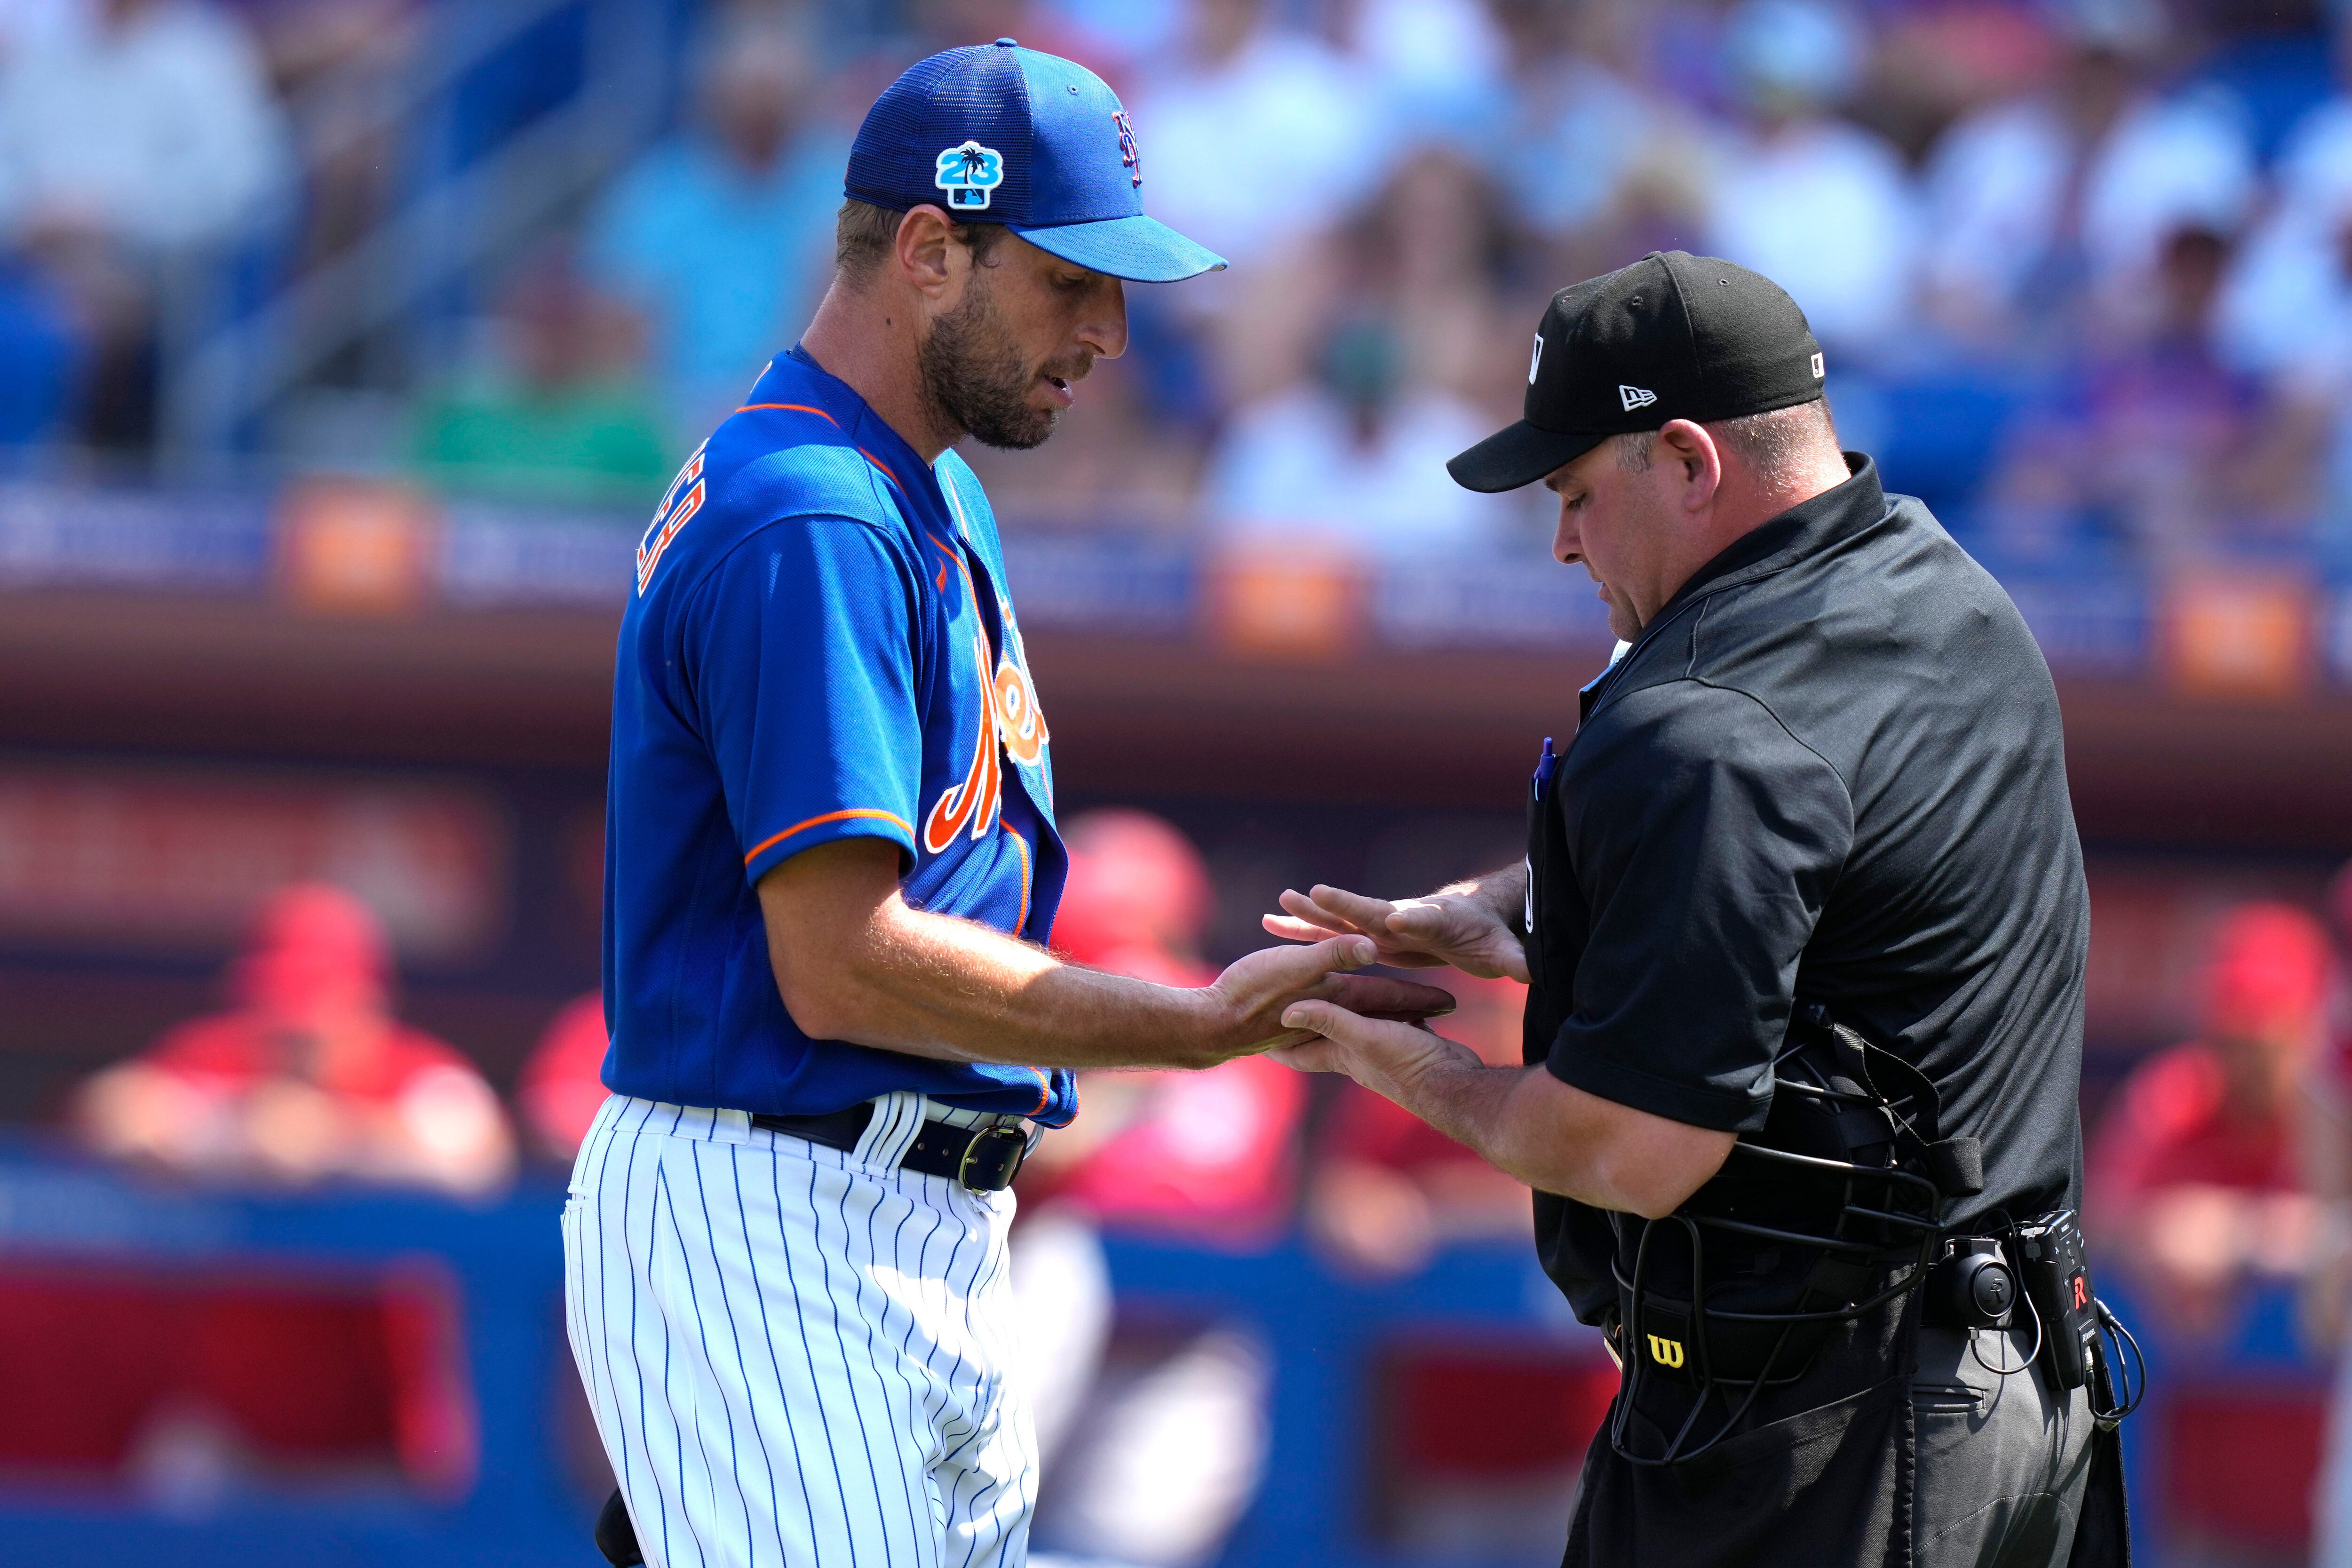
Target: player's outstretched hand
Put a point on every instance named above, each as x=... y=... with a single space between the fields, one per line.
x=1457 y=927
x=1255 y=991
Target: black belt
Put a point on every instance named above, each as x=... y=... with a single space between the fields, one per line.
x=984 y=1159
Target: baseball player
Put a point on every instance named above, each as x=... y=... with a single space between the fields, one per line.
x=830 y=864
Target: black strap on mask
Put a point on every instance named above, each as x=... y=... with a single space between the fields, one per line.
x=1852 y=1169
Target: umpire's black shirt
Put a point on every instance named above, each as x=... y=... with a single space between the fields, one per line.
x=1831 y=768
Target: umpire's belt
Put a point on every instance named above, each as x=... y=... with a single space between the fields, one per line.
x=984 y=1159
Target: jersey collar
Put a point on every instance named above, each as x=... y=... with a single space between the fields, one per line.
x=883 y=445
x=1803 y=530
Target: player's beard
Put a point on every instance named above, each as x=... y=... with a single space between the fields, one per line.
x=976 y=377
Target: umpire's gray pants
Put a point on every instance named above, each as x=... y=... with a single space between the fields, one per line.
x=2003 y=1462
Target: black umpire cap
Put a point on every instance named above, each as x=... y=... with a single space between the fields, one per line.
x=1673 y=336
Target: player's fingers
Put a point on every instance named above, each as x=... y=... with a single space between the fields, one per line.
x=1302 y=968
x=1314 y=1054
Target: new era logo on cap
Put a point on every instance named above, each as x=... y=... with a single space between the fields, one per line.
x=1635 y=398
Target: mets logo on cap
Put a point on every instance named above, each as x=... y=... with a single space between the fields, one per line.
x=969 y=175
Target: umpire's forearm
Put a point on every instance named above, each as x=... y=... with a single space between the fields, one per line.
x=1529 y=1124
x=1503 y=892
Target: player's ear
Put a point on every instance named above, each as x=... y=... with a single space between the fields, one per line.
x=923 y=246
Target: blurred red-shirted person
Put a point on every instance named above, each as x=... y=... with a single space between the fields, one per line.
x=1204 y=1154
x=2195 y=1177
x=307 y=1077
x=562 y=1085
x=1387 y=1189
x=1174 y=1438
x=2327 y=1302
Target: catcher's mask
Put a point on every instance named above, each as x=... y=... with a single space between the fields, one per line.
x=1830 y=1210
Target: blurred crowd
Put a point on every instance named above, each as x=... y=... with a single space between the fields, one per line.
x=2090 y=260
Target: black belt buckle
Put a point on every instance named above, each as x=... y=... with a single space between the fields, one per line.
x=992 y=1158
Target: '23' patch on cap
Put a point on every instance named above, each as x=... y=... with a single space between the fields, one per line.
x=969 y=175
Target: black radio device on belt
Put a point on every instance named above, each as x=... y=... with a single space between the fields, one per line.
x=1833 y=1209
x=2082 y=1338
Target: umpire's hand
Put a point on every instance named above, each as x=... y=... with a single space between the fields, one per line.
x=1255 y=991
x=1458 y=926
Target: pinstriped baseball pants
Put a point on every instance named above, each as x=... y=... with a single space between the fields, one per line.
x=796 y=1355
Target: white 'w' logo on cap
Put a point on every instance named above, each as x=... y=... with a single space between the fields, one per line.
x=1636 y=396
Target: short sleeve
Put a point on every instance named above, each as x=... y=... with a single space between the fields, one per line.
x=1705 y=838
x=800 y=666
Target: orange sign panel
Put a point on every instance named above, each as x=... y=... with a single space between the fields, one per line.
x=1288 y=603
x=357 y=547
x=2236 y=634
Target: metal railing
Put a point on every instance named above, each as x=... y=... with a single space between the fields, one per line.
x=461 y=224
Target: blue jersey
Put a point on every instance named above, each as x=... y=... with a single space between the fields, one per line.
x=819 y=645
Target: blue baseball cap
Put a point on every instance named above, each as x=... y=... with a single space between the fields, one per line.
x=997 y=133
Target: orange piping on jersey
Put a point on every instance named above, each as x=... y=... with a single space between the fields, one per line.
x=1044 y=1092
x=952 y=554
x=891 y=816
x=1021 y=844
x=948 y=551
x=804 y=408
x=884 y=466
x=796 y=408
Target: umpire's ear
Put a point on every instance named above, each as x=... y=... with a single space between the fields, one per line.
x=616 y=1537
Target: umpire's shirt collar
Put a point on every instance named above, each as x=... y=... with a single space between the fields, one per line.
x=1805 y=529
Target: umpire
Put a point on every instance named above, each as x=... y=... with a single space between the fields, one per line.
x=1804 y=921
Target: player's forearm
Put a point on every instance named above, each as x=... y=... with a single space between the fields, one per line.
x=935 y=986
